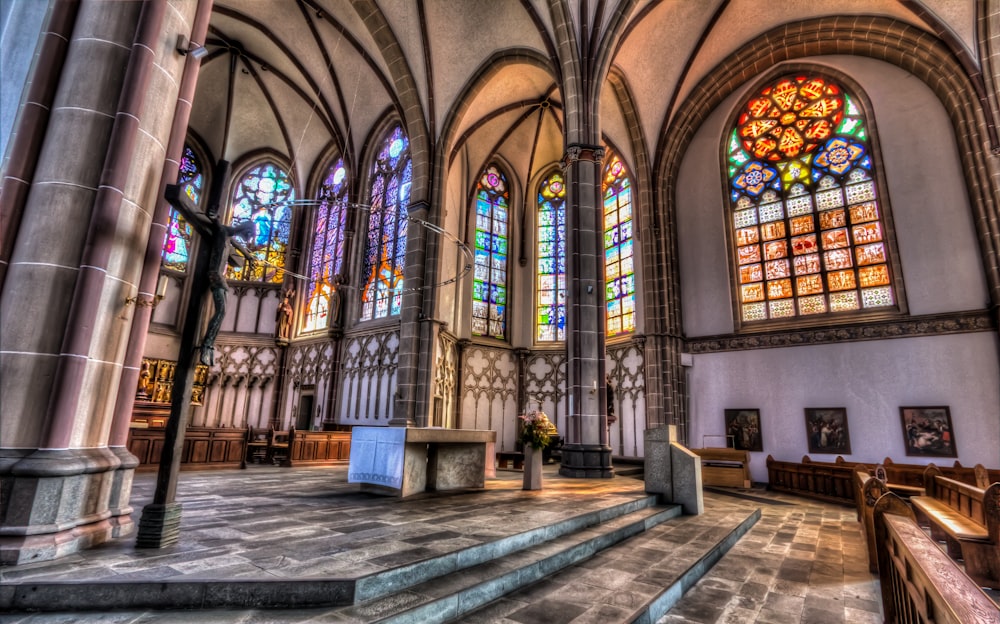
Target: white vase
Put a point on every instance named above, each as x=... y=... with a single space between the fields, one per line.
x=532 y=468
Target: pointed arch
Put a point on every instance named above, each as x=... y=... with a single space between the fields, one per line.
x=808 y=222
x=550 y=284
x=327 y=245
x=192 y=176
x=489 y=289
x=385 y=247
x=262 y=195
x=619 y=256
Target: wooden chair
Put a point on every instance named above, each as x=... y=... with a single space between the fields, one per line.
x=258 y=440
x=277 y=450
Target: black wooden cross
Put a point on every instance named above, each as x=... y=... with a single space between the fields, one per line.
x=159 y=525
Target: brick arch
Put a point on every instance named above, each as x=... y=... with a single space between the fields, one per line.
x=652 y=251
x=411 y=111
x=892 y=41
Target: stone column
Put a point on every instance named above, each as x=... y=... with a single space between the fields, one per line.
x=587 y=452
x=118 y=438
x=408 y=375
x=74 y=264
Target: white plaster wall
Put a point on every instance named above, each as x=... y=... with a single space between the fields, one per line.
x=871 y=379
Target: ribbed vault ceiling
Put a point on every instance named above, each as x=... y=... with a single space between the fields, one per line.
x=482 y=77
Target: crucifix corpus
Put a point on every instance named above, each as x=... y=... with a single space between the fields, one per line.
x=219 y=248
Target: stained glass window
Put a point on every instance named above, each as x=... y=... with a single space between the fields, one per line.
x=489 y=288
x=262 y=197
x=808 y=230
x=619 y=264
x=327 y=257
x=385 y=250
x=177 y=244
x=550 y=289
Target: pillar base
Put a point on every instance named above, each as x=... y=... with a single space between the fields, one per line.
x=56 y=502
x=160 y=525
x=586 y=461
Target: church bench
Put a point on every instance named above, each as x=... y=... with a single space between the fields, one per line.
x=919 y=583
x=967 y=519
x=869 y=489
x=828 y=481
x=913 y=474
x=724 y=467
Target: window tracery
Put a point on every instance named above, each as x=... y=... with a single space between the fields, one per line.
x=619 y=261
x=809 y=235
x=262 y=197
x=326 y=258
x=177 y=242
x=489 y=290
x=550 y=288
x=385 y=251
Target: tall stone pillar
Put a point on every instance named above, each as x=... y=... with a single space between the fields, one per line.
x=69 y=292
x=587 y=452
x=409 y=406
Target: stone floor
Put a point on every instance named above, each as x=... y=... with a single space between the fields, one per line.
x=802 y=562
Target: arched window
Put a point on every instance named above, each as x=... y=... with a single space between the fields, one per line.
x=385 y=251
x=327 y=257
x=489 y=290
x=262 y=197
x=619 y=265
x=808 y=228
x=177 y=244
x=550 y=289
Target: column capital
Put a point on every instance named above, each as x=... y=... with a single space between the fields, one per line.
x=582 y=151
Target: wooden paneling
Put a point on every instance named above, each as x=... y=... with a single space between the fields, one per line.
x=319 y=447
x=204 y=447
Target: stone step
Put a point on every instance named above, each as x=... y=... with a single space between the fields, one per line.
x=301 y=593
x=636 y=581
x=448 y=597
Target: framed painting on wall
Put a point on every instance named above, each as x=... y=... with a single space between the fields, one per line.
x=826 y=428
x=744 y=426
x=927 y=431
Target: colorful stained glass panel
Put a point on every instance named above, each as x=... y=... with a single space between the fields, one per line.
x=385 y=249
x=814 y=136
x=263 y=197
x=492 y=197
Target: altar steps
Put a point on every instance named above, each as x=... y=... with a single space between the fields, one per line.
x=501 y=568
x=650 y=560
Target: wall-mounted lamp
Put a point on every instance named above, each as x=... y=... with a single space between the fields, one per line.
x=184 y=48
x=161 y=293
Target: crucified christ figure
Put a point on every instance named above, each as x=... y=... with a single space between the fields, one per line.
x=224 y=243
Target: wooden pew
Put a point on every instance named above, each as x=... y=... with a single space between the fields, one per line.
x=869 y=489
x=913 y=474
x=724 y=467
x=829 y=481
x=919 y=583
x=967 y=519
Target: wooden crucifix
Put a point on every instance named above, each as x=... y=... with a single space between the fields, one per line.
x=159 y=525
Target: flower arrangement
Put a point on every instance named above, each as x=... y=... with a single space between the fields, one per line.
x=536 y=430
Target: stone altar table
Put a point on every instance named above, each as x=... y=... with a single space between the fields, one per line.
x=401 y=461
